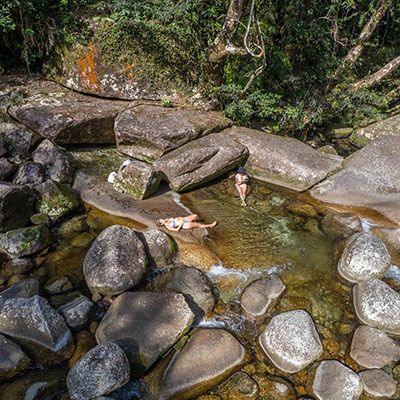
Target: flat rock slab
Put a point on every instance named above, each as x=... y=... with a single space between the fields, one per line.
x=209 y=357
x=145 y=325
x=370 y=178
x=67 y=117
x=377 y=305
x=12 y=359
x=146 y=132
x=378 y=383
x=291 y=341
x=284 y=161
x=373 y=348
x=201 y=160
x=335 y=381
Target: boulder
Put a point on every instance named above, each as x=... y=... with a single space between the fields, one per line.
x=16 y=206
x=377 y=305
x=373 y=348
x=377 y=383
x=291 y=341
x=115 y=262
x=145 y=325
x=6 y=169
x=160 y=247
x=364 y=257
x=147 y=132
x=24 y=289
x=208 y=358
x=100 y=371
x=257 y=297
x=370 y=178
x=38 y=328
x=339 y=226
x=12 y=359
x=191 y=282
x=57 y=163
x=391 y=238
x=25 y=241
x=29 y=173
x=77 y=312
x=138 y=180
x=335 y=381
x=201 y=160
x=67 y=117
x=284 y=161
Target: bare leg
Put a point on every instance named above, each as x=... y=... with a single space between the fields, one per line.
x=190 y=225
x=242 y=192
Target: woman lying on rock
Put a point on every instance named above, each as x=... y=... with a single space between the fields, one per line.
x=188 y=222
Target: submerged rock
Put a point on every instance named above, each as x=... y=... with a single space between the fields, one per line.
x=77 y=312
x=160 y=247
x=239 y=386
x=377 y=383
x=278 y=389
x=377 y=305
x=364 y=257
x=60 y=285
x=145 y=325
x=12 y=359
x=115 y=262
x=340 y=225
x=209 y=357
x=100 y=371
x=334 y=381
x=30 y=173
x=291 y=341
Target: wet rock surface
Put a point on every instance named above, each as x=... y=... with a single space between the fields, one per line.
x=291 y=352
x=12 y=359
x=340 y=225
x=277 y=388
x=377 y=383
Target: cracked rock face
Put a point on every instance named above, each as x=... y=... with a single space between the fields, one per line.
x=378 y=383
x=102 y=370
x=291 y=341
x=377 y=305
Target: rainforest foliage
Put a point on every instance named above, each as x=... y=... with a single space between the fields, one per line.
x=292 y=66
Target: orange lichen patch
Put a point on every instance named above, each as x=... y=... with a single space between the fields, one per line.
x=86 y=67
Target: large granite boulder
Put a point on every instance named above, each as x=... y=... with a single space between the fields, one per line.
x=25 y=241
x=38 y=328
x=16 y=206
x=335 y=381
x=160 y=247
x=339 y=226
x=115 y=262
x=377 y=383
x=377 y=305
x=291 y=341
x=147 y=132
x=57 y=163
x=100 y=371
x=364 y=257
x=208 y=358
x=137 y=179
x=145 y=325
x=284 y=161
x=260 y=295
x=12 y=359
x=29 y=173
x=370 y=178
x=201 y=160
x=67 y=117
x=373 y=348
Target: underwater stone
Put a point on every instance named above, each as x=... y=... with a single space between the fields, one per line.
x=340 y=225
x=377 y=383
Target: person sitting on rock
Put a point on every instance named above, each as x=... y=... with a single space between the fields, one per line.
x=242 y=178
x=188 y=222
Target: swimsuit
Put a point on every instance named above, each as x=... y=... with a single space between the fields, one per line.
x=173 y=223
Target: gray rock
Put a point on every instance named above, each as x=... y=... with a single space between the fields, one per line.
x=373 y=348
x=239 y=386
x=364 y=257
x=208 y=358
x=3 y=151
x=378 y=383
x=115 y=262
x=57 y=162
x=77 y=312
x=370 y=178
x=12 y=359
x=284 y=161
x=334 y=381
x=16 y=206
x=201 y=160
x=160 y=247
x=100 y=371
x=377 y=305
x=38 y=328
x=137 y=179
x=339 y=226
x=147 y=132
x=25 y=241
x=60 y=285
x=257 y=297
x=391 y=238
x=191 y=282
x=6 y=169
x=29 y=173
x=25 y=289
x=145 y=325
x=291 y=341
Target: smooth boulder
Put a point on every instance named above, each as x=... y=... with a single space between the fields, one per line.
x=12 y=359
x=115 y=262
x=291 y=341
x=339 y=226
x=160 y=247
x=377 y=383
